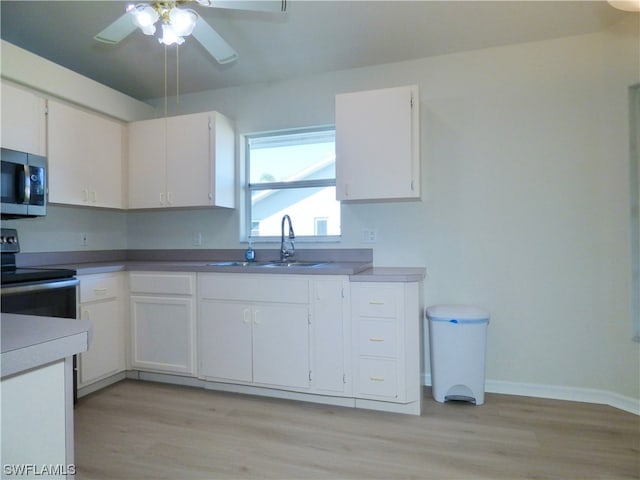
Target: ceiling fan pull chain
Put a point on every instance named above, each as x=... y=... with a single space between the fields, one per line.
x=177 y=74
x=165 y=80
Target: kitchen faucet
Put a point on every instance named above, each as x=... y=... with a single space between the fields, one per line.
x=285 y=252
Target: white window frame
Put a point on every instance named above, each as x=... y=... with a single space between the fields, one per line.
x=249 y=189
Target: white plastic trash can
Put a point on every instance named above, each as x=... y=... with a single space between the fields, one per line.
x=458 y=341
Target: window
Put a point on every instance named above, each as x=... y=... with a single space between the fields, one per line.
x=292 y=173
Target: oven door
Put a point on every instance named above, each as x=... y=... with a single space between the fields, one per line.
x=51 y=298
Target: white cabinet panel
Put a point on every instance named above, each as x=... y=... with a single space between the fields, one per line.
x=182 y=161
x=85 y=158
x=23 y=120
x=105 y=355
x=281 y=345
x=101 y=303
x=331 y=334
x=225 y=341
x=163 y=322
x=377 y=144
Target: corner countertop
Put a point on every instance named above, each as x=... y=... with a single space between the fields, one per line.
x=30 y=341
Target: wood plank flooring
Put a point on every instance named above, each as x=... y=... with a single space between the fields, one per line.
x=143 y=430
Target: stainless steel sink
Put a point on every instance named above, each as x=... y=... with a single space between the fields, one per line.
x=234 y=264
x=273 y=264
x=292 y=263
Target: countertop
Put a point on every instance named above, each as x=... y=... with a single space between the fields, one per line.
x=31 y=341
x=357 y=271
x=355 y=263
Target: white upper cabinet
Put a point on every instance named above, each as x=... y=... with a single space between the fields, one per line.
x=378 y=144
x=182 y=161
x=23 y=120
x=86 y=157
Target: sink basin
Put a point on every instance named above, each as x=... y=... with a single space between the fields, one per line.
x=293 y=263
x=274 y=264
x=233 y=264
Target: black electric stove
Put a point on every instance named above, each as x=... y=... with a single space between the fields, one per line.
x=12 y=275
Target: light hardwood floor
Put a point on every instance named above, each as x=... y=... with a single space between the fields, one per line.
x=142 y=430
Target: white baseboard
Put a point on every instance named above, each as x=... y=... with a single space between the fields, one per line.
x=574 y=394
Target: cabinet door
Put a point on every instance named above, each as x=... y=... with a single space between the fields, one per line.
x=147 y=164
x=189 y=161
x=163 y=334
x=23 y=120
x=330 y=337
x=106 y=352
x=377 y=144
x=85 y=158
x=224 y=334
x=281 y=345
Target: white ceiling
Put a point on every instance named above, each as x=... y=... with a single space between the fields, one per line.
x=311 y=37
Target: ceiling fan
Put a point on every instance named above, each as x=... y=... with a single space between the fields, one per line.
x=177 y=23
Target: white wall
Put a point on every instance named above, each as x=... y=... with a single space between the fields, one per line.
x=526 y=204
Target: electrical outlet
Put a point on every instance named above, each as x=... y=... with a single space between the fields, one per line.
x=197 y=239
x=369 y=235
x=84 y=239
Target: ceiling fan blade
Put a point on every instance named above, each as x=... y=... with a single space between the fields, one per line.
x=213 y=42
x=118 y=30
x=254 y=5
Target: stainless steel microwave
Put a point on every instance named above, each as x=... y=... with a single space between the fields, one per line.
x=23 y=187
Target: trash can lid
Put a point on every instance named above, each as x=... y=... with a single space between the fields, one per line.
x=457 y=312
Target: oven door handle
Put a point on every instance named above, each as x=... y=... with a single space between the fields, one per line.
x=42 y=286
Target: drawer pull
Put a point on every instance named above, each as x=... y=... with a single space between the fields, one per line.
x=373 y=302
x=99 y=291
x=376 y=379
x=376 y=339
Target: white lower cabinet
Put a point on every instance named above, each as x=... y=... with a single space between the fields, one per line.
x=268 y=330
x=331 y=336
x=101 y=303
x=386 y=342
x=163 y=322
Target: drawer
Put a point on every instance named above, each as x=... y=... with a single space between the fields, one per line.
x=371 y=300
x=377 y=338
x=162 y=282
x=378 y=377
x=98 y=287
x=254 y=288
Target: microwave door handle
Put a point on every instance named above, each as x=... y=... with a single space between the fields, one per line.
x=27 y=184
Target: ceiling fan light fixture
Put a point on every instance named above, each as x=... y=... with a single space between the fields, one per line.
x=145 y=17
x=169 y=36
x=182 y=21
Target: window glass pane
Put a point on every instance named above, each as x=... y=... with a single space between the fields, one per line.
x=292 y=157
x=303 y=205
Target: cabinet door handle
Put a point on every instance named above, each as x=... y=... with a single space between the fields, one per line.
x=246 y=316
x=170 y=198
x=162 y=198
x=85 y=195
x=85 y=315
x=93 y=196
x=376 y=379
x=376 y=339
x=256 y=319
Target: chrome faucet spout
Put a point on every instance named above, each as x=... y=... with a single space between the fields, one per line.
x=286 y=253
